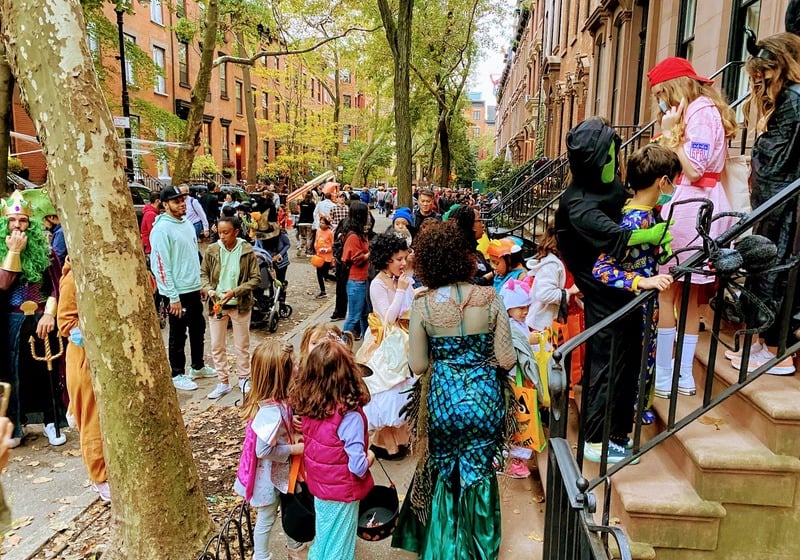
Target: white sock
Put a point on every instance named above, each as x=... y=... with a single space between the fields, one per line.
x=664 y=343
x=689 y=346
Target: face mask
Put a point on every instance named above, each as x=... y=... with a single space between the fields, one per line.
x=663 y=198
x=609 y=170
x=663 y=106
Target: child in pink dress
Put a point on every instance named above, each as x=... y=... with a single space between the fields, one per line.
x=696 y=123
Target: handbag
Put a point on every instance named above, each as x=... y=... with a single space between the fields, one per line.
x=297 y=506
x=735 y=181
x=530 y=433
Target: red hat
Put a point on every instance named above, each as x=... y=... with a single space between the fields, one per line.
x=674 y=67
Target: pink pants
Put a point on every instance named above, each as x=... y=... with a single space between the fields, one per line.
x=241 y=342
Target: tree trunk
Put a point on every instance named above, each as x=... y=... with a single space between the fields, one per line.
x=444 y=147
x=6 y=100
x=337 y=104
x=250 y=115
x=359 y=176
x=432 y=160
x=194 y=122
x=159 y=511
x=398 y=34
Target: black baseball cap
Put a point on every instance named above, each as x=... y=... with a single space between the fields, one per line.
x=170 y=193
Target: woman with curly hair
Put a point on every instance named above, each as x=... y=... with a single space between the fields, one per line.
x=460 y=346
x=774 y=71
x=391 y=293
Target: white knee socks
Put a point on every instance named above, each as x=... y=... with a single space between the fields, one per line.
x=664 y=342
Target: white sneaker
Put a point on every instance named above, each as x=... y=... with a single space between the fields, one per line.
x=219 y=390
x=71 y=422
x=244 y=385
x=755 y=348
x=50 y=432
x=102 y=489
x=184 y=383
x=204 y=371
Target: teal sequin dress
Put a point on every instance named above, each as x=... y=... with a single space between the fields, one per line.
x=466 y=417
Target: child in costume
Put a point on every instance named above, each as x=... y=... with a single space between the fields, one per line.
x=329 y=395
x=323 y=247
x=505 y=258
x=268 y=444
x=651 y=172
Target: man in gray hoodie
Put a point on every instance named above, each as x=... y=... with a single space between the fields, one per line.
x=176 y=266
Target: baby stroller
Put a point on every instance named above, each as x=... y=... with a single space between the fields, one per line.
x=267 y=304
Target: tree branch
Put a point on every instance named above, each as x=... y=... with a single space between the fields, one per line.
x=250 y=61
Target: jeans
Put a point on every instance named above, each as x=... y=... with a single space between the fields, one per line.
x=356 y=321
x=192 y=319
x=241 y=342
x=266 y=516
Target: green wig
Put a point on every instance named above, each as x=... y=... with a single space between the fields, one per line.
x=36 y=255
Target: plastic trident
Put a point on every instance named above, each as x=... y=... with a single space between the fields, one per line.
x=48 y=356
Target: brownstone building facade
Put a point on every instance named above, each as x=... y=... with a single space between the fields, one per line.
x=571 y=59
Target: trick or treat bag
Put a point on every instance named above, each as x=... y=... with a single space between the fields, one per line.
x=529 y=424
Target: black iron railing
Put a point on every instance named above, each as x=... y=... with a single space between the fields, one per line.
x=569 y=500
x=234 y=538
x=143 y=177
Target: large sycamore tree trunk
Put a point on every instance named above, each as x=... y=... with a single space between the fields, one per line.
x=159 y=510
x=6 y=99
x=194 y=122
x=398 y=34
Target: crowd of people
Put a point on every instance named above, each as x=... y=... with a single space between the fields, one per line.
x=449 y=321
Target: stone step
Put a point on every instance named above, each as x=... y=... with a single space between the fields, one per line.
x=724 y=461
x=657 y=505
x=769 y=407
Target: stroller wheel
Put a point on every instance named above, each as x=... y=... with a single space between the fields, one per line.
x=285 y=311
x=273 y=323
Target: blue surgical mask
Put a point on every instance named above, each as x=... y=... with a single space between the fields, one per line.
x=663 y=106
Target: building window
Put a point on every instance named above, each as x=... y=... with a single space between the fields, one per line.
x=346 y=134
x=238 y=90
x=254 y=95
x=159 y=56
x=226 y=142
x=130 y=76
x=476 y=116
x=686 y=28
x=348 y=101
x=207 y=139
x=92 y=41
x=265 y=105
x=345 y=76
x=277 y=114
x=746 y=13
x=180 y=8
x=223 y=79
x=265 y=150
x=600 y=82
x=156 y=13
x=476 y=131
x=183 y=64
x=161 y=165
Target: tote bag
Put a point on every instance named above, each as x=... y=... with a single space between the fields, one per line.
x=735 y=180
x=530 y=433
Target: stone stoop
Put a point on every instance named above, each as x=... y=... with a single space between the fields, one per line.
x=769 y=407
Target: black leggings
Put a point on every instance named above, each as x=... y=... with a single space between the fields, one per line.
x=322 y=275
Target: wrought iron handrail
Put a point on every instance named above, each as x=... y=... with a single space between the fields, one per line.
x=143 y=177
x=240 y=522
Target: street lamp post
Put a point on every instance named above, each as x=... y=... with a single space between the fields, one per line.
x=126 y=101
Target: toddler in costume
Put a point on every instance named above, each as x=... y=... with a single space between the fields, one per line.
x=329 y=395
x=516 y=298
x=268 y=444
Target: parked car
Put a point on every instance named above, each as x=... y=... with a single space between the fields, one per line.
x=237 y=192
x=140 y=195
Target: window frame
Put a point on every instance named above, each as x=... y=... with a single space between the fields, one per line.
x=223 y=79
x=160 y=85
x=157 y=12
x=684 y=44
x=238 y=93
x=183 y=64
x=226 y=141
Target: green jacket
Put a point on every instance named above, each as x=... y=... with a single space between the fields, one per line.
x=249 y=274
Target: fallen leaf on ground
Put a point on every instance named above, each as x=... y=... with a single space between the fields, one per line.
x=41 y=480
x=66 y=500
x=712 y=421
x=71 y=453
x=59 y=465
x=59 y=526
x=14 y=540
x=22 y=522
x=33 y=464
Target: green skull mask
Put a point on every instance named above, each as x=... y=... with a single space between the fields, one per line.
x=609 y=169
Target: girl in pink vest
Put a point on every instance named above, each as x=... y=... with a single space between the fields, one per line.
x=268 y=443
x=329 y=395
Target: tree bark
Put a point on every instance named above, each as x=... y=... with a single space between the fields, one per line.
x=194 y=122
x=159 y=511
x=6 y=99
x=398 y=34
x=444 y=143
x=359 y=175
x=250 y=115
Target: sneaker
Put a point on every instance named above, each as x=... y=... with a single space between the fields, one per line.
x=71 y=422
x=184 y=383
x=50 y=432
x=516 y=468
x=204 y=371
x=754 y=349
x=784 y=367
x=663 y=388
x=686 y=384
x=219 y=390
x=14 y=442
x=299 y=553
x=244 y=385
x=616 y=453
x=322 y=295
x=102 y=489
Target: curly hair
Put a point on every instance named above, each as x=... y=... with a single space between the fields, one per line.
x=384 y=247
x=442 y=256
x=785 y=48
x=328 y=381
x=35 y=256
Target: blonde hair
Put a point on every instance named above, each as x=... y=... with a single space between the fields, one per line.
x=319 y=331
x=270 y=373
x=674 y=90
x=785 y=47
